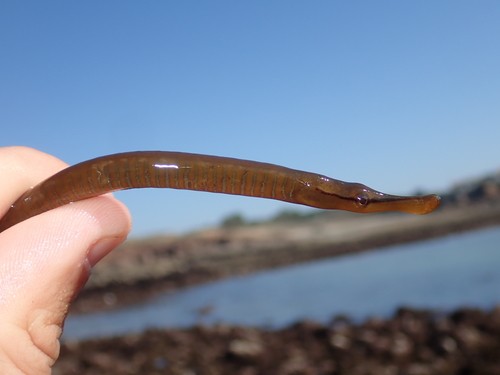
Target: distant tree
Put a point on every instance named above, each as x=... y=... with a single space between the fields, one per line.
x=291 y=215
x=234 y=220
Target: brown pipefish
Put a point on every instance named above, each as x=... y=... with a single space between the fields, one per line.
x=163 y=169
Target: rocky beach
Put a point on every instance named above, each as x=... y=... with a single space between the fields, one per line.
x=412 y=342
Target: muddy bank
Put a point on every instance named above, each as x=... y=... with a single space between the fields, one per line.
x=413 y=342
x=141 y=269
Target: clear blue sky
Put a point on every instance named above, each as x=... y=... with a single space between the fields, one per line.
x=398 y=95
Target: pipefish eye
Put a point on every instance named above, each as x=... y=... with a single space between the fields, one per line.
x=362 y=200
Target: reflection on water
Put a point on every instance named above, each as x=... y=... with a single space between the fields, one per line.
x=444 y=274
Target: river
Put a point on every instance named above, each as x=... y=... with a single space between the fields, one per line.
x=441 y=274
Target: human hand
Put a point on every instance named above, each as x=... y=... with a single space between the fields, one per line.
x=46 y=260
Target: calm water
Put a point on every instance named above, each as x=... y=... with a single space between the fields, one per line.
x=444 y=274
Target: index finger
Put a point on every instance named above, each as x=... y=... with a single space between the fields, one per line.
x=23 y=168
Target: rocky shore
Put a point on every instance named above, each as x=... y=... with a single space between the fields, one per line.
x=412 y=342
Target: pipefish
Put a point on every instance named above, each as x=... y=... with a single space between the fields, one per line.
x=177 y=170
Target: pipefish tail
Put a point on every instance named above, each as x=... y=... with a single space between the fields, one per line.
x=176 y=170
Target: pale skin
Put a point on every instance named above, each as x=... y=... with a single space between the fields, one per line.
x=46 y=260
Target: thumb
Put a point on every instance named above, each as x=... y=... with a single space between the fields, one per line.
x=44 y=262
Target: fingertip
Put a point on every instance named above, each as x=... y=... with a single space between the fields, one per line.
x=21 y=168
x=102 y=248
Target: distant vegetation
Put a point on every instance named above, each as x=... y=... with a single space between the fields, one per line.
x=285 y=216
x=484 y=189
x=234 y=220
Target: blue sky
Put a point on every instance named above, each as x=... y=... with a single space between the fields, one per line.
x=398 y=95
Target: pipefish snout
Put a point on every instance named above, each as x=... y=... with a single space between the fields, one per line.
x=176 y=170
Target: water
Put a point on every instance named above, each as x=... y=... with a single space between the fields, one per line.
x=441 y=274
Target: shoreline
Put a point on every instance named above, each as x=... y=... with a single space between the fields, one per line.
x=411 y=342
x=142 y=269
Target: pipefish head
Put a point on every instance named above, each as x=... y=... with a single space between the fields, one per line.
x=334 y=194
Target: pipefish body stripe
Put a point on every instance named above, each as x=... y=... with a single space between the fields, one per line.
x=177 y=170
